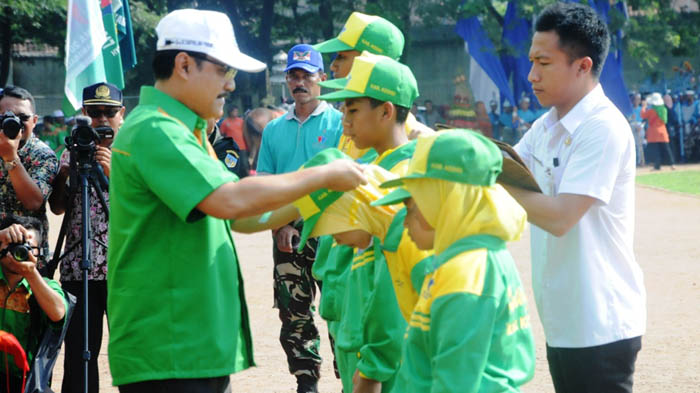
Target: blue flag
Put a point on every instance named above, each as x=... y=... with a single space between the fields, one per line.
x=517 y=34
x=611 y=78
x=482 y=50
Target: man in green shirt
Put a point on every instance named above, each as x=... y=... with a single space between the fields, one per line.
x=177 y=313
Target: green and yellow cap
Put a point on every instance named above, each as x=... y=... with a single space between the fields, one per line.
x=366 y=33
x=461 y=156
x=377 y=77
x=311 y=206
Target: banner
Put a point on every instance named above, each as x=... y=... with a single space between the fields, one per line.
x=85 y=38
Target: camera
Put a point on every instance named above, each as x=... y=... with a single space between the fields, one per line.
x=11 y=124
x=18 y=251
x=84 y=139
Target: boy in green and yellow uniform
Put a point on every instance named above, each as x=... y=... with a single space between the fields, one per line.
x=378 y=94
x=379 y=286
x=377 y=35
x=469 y=331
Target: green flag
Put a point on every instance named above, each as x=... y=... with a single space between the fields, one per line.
x=122 y=15
x=92 y=50
x=110 y=51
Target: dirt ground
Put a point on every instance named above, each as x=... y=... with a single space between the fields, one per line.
x=667 y=246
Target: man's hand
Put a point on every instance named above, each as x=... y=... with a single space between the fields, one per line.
x=15 y=233
x=283 y=238
x=343 y=175
x=104 y=157
x=419 y=130
x=26 y=268
x=364 y=385
x=9 y=147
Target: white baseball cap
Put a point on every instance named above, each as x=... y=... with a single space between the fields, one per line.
x=207 y=32
x=656 y=99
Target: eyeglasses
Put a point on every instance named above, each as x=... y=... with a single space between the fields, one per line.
x=228 y=71
x=97 y=113
x=24 y=118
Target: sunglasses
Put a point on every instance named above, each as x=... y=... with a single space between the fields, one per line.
x=97 y=113
x=24 y=118
x=228 y=71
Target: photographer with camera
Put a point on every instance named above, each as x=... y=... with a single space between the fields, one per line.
x=28 y=165
x=31 y=303
x=102 y=102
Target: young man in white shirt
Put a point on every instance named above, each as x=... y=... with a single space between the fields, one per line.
x=588 y=287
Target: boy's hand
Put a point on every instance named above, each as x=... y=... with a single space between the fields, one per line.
x=15 y=233
x=364 y=385
x=419 y=130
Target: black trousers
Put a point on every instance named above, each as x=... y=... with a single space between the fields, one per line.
x=73 y=364
x=605 y=368
x=198 y=385
x=658 y=150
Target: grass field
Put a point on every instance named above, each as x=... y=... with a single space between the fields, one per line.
x=679 y=181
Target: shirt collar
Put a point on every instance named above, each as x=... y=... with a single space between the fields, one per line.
x=22 y=283
x=28 y=146
x=322 y=105
x=579 y=113
x=172 y=107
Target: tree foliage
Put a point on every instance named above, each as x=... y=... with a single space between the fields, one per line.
x=26 y=20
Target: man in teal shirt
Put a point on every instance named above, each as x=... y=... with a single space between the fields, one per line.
x=177 y=313
x=288 y=142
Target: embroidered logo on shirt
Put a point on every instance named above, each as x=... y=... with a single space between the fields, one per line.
x=231 y=159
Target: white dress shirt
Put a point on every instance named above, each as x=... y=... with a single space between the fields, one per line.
x=588 y=287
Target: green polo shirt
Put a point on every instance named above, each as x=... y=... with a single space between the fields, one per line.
x=15 y=318
x=175 y=293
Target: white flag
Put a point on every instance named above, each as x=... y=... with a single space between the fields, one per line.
x=84 y=41
x=483 y=88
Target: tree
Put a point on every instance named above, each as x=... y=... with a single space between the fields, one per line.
x=26 y=20
x=652 y=35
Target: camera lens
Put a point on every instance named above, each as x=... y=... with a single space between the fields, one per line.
x=11 y=125
x=19 y=252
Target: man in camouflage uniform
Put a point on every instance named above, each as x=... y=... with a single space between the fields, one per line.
x=288 y=142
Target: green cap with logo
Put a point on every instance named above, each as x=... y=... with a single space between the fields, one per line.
x=312 y=206
x=377 y=77
x=460 y=156
x=366 y=33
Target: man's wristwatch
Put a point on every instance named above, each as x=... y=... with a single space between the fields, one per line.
x=10 y=165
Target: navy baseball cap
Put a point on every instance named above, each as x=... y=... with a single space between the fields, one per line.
x=305 y=57
x=102 y=93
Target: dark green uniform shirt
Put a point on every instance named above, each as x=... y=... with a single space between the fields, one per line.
x=175 y=293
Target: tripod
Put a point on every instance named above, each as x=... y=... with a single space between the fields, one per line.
x=88 y=174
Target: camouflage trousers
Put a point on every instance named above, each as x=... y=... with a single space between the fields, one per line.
x=295 y=291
